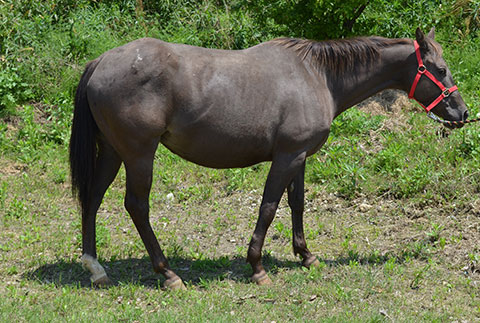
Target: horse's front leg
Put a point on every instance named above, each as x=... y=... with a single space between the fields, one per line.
x=284 y=168
x=296 y=193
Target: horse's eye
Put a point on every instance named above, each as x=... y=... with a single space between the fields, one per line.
x=443 y=71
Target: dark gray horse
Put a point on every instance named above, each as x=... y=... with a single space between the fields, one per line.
x=272 y=102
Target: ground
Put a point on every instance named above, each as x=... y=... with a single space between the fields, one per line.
x=381 y=258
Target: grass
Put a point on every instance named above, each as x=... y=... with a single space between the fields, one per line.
x=383 y=256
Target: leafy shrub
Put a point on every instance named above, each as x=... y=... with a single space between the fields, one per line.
x=12 y=90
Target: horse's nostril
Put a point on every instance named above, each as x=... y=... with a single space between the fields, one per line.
x=465 y=116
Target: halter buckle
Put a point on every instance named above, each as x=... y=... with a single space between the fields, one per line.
x=422 y=69
x=446 y=93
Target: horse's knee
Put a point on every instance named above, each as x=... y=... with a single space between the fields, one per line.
x=267 y=213
x=135 y=207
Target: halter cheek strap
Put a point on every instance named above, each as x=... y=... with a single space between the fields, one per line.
x=422 y=70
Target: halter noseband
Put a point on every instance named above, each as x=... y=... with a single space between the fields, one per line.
x=422 y=70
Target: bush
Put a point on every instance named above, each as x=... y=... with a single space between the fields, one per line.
x=12 y=90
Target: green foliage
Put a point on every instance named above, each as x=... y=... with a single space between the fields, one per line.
x=340 y=165
x=314 y=19
x=12 y=90
x=355 y=123
x=206 y=23
x=318 y=19
x=399 y=18
x=390 y=160
x=17 y=208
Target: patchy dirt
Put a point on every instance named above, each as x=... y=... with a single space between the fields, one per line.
x=388 y=102
x=9 y=168
x=391 y=103
x=41 y=115
x=333 y=227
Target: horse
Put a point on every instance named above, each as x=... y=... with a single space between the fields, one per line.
x=273 y=102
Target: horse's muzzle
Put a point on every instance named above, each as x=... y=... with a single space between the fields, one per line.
x=457 y=124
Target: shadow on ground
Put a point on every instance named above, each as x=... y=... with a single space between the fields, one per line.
x=193 y=272
x=139 y=271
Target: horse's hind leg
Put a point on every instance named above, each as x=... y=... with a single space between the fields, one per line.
x=296 y=203
x=106 y=168
x=139 y=182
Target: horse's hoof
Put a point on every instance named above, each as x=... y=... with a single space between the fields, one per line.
x=311 y=262
x=262 y=280
x=102 y=282
x=174 y=284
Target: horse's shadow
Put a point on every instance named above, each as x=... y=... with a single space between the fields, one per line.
x=194 y=272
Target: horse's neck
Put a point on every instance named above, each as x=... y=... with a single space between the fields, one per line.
x=388 y=71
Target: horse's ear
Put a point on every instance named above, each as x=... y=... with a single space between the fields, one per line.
x=421 y=39
x=431 y=34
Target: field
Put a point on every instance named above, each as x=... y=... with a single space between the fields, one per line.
x=392 y=200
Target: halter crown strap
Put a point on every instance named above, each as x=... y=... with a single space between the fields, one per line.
x=422 y=70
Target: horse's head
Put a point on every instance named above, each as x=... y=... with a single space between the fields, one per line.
x=431 y=82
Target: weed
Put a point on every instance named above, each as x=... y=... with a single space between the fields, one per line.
x=434 y=234
x=3 y=194
x=283 y=231
x=419 y=276
x=475 y=258
x=390 y=160
x=390 y=267
x=13 y=270
x=415 y=250
x=29 y=236
x=236 y=178
x=349 y=247
x=17 y=208
x=342 y=293
x=59 y=175
x=355 y=123
x=442 y=242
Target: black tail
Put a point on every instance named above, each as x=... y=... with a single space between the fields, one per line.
x=83 y=141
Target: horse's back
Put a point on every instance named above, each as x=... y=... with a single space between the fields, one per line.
x=217 y=108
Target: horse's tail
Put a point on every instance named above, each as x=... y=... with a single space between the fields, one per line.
x=83 y=141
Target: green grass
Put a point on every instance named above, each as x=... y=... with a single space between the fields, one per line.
x=405 y=257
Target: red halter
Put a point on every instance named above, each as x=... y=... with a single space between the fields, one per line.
x=422 y=70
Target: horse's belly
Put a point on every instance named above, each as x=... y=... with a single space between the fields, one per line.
x=212 y=150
